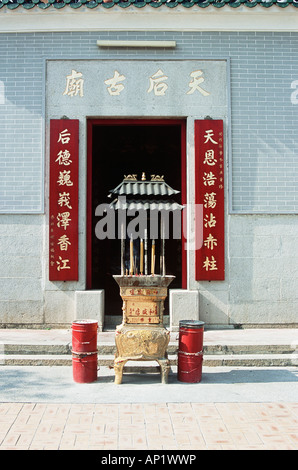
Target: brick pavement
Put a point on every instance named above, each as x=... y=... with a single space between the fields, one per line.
x=170 y=426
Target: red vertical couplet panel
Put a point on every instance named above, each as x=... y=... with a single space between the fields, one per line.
x=63 y=200
x=209 y=179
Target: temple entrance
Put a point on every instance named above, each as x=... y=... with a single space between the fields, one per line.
x=122 y=147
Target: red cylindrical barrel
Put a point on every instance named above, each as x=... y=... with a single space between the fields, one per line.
x=84 y=350
x=84 y=336
x=190 y=351
x=84 y=367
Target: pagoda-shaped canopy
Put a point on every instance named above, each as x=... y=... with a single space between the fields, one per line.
x=136 y=195
x=132 y=187
x=141 y=194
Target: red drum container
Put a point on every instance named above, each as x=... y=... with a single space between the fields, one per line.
x=84 y=350
x=84 y=336
x=190 y=351
x=84 y=368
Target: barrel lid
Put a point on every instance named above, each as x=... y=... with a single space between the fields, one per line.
x=191 y=323
x=82 y=322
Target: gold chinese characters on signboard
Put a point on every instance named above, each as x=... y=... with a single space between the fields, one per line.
x=157 y=84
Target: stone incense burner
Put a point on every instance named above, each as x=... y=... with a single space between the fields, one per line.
x=142 y=335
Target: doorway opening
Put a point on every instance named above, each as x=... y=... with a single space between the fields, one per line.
x=131 y=146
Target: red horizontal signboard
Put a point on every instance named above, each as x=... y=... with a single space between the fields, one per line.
x=63 y=200
x=209 y=179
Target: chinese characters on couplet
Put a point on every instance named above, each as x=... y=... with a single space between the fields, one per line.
x=63 y=223
x=158 y=84
x=210 y=259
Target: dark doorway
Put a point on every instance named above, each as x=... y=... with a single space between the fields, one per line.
x=115 y=149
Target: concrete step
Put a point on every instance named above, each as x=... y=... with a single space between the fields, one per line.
x=254 y=347
x=107 y=360
x=109 y=348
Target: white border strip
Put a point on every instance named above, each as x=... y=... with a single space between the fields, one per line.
x=151 y=44
x=148 y=19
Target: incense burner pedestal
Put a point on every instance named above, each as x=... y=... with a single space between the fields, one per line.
x=142 y=335
x=141 y=344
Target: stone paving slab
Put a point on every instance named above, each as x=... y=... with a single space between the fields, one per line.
x=154 y=426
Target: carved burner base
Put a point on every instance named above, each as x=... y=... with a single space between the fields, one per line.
x=138 y=343
x=142 y=336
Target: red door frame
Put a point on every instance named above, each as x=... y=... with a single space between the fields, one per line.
x=136 y=122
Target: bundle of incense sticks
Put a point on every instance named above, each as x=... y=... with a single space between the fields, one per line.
x=133 y=269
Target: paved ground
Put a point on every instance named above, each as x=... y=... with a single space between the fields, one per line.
x=42 y=408
x=42 y=384
x=149 y=426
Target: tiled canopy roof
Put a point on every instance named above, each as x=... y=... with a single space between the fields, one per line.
x=44 y=4
x=144 y=188
x=151 y=195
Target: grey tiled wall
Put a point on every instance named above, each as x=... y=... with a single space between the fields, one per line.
x=264 y=122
